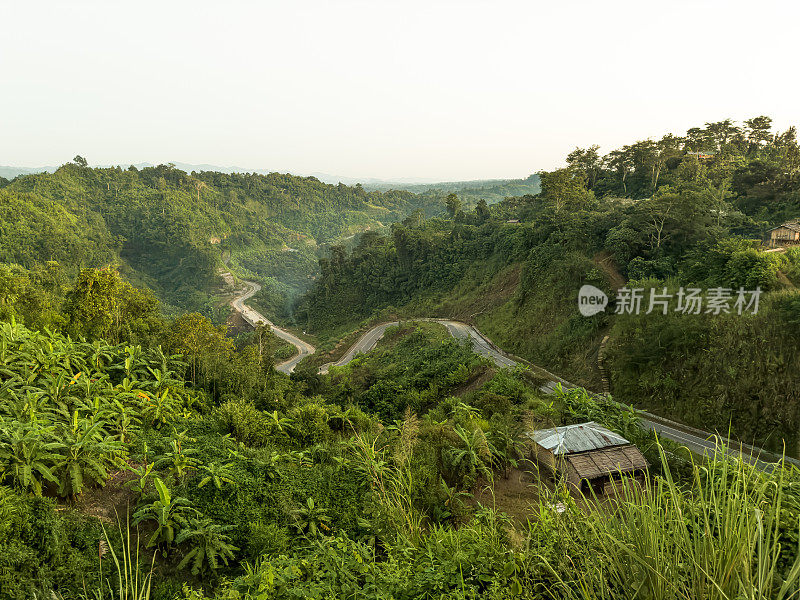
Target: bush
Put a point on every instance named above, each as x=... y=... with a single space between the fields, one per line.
x=267 y=539
x=309 y=423
x=750 y=269
x=244 y=421
x=41 y=550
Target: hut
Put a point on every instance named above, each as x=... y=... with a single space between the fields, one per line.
x=588 y=455
x=787 y=234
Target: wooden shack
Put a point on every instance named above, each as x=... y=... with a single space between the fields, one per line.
x=787 y=234
x=587 y=455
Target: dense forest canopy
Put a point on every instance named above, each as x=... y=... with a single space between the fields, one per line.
x=167 y=229
x=472 y=192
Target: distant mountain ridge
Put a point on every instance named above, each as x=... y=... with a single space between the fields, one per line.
x=411 y=184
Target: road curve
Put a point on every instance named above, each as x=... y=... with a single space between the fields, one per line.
x=700 y=442
x=254 y=318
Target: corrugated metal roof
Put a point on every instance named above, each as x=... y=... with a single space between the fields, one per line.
x=576 y=438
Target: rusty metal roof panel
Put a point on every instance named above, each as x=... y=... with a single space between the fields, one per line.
x=606 y=461
x=790 y=225
x=581 y=437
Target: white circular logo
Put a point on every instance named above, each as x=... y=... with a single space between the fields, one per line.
x=591 y=300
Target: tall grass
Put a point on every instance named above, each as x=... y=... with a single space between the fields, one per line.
x=721 y=536
x=131 y=582
x=391 y=484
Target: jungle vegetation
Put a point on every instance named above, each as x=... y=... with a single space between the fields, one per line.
x=222 y=480
x=145 y=453
x=168 y=230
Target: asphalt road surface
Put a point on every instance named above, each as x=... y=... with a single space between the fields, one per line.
x=253 y=317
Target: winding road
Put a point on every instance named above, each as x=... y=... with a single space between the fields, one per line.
x=698 y=441
x=254 y=318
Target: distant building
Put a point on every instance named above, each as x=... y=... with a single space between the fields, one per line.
x=513 y=221
x=787 y=234
x=588 y=455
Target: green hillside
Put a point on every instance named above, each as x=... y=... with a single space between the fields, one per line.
x=471 y=192
x=167 y=230
x=653 y=214
x=405 y=473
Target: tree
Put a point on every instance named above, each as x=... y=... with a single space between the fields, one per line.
x=206 y=345
x=758 y=133
x=723 y=133
x=622 y=163
x=414 y=219
x=565 y=189
x=678 y=216
x=482 y=211
x=587 y=161
x=80 y=161
x=667 y=147
x=103 y=305
x=453 y=204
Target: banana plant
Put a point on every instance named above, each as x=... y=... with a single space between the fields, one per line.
x=311 y=519
x=473 y=454
x=27 y=455
x=125 y=419
x=178 y=460
x=86 y=453
x=279 y=424
x=160 y=409
x=269 y=464
x=210 y=545
x=169 y=515
x=218 y=474
x=144 y=473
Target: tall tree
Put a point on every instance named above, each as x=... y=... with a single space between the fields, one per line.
x=586 y=160
x=758 y=131
x=565 y=189
x=453 y=204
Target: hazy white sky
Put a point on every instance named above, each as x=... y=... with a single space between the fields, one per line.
x=434 y=89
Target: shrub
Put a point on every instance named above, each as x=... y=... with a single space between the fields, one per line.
x=266 y=538
x=244 y=421
x=309 y=423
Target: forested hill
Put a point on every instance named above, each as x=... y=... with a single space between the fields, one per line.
x=684 y=211
x=167 y=229
x=471 y=192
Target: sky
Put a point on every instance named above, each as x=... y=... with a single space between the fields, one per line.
x=435 y=90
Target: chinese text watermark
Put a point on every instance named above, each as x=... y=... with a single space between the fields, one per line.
x=688 y=301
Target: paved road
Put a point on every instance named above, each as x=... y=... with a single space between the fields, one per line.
x=253 y=317
x=700 y=442
x=363 y=345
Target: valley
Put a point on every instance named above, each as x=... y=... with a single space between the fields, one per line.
x=367 y=428
x=399 y=301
